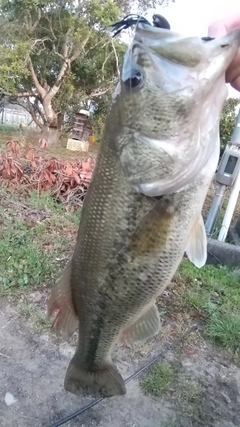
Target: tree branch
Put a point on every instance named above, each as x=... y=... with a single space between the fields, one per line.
x=28 y=20
x=96 y=93
x=32 y=112
x=40 y=112
x=34 y=26
x=18 y=94
x=53 y=35
x=105 y=61
x=57 y=53
x=66 y=44
x=40 y=41
x=66 y=64
x=40 y=89
x=116 y=58
x=80 y=48
x=51 y=27
x=98 y=43
x=63 y=72
x=30 y=26
x=21 y=105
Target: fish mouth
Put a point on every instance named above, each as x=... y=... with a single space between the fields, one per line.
x=185 y=50
x=151 y=31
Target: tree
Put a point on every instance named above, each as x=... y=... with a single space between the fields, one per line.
x=55 y=55
x=227 y=121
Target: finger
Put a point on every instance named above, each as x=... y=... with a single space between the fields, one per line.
x=217 y=29
x=221 y=28
x=234 y=70
x=236 y=83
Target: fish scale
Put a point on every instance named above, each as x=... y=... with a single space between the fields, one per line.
x=142 y=211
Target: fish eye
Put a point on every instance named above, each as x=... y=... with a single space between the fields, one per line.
x=134 y=79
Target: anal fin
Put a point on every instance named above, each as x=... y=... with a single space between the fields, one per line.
x=144 y=327
x=197 y=244
x=65 y=321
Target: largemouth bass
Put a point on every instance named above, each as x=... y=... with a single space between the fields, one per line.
x=158 y=155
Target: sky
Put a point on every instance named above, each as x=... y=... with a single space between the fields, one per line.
x=192 y=17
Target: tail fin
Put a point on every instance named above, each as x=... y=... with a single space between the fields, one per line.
x=103 y=381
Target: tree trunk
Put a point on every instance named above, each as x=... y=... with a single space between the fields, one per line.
x=52 y=131
x=51 y=135
x=60 y=120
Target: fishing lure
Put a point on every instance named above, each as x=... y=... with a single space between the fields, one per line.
x=132 y=19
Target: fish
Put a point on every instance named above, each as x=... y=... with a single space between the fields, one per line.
x=142 y=211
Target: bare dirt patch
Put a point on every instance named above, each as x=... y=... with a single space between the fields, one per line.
x=204 y=391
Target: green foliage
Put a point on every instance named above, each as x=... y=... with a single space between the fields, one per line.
x=103 y=12
x=13 y=66
x=227 y=120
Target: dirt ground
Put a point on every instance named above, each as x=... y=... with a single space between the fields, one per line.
x=206 y=390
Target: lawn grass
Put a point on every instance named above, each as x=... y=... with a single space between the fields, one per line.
x=22 y=258
x=159 y=379
x=9 y=128
x=214 y=291
x=35 y=233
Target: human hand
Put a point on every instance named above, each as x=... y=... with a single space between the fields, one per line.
x=222 y=28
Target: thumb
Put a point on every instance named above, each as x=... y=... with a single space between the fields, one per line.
x=217 y=29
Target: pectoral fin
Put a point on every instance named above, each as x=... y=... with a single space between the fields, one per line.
x=65 y=321
x=146 y=326
x=197 y=244
x=153 y=230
